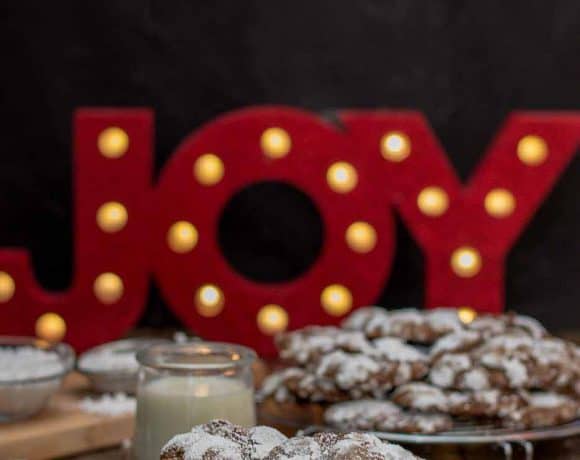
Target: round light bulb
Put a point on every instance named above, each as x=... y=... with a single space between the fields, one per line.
x=395 y=146
x=112 y=217
x=361 y=237
x=342 y=177
x=50 y=327
x=108 y=288
x=209 y=300
x=466 y=314
x=433 y=201
x=208 y=169
x=272 y=319
x=275 y=142
x=532 y=150
x=466 y=262
x=499 y=202
x=7 y=287
x=182 y=237
x=336 y=300
x=113 y=142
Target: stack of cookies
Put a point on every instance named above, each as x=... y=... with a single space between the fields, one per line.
x=420 y=371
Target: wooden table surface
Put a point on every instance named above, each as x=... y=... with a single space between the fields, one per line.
x=565 y=449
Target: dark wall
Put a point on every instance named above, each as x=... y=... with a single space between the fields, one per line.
x=465 y=64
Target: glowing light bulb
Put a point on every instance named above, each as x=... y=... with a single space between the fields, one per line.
x=208 y=169
x=341 y=177
x=108 y=288
x=275 y=142
x=499 y=202
x=466 y=314
x=272 y=319
x=433 y=201
x=7 y=287
x=395 y=146
x=50 y=327
x=182 y=237
x=112 y=217
x=209 y=300
x=466 y=262
x=336 y=300
x=361 y=237
x=113 y=142
x=532 y=150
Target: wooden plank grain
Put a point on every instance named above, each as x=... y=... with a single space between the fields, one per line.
x=62 y=429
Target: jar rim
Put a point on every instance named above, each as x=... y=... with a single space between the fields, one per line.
x=180 y=356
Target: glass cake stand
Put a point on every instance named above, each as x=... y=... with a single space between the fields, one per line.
x=508 y=440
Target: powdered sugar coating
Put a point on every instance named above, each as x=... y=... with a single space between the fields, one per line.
x=347 y=370
x=220 y=440
x=459 y=341
x=421 y=396
x=306 y=345
x=262 y=440
x=395 y=349
x=362 y=415
x=445 y=370
x=358 y=320
x=383 y=416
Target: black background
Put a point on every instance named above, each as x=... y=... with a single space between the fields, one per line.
x=465 y=64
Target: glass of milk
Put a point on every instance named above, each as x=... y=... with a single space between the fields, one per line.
x=182 y=385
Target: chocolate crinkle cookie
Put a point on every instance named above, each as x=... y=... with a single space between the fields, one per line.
x=221 y=440
x=408 y=324
x=309 y=344
x=338 y=375
x=423 y=397
x=515 y=409
x=426 y=326
x=384 y=416
x=509 y=361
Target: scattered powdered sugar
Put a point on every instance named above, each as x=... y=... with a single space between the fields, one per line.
x=109 y=405
x=23 y=363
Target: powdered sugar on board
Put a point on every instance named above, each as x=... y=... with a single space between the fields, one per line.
x=109 y=405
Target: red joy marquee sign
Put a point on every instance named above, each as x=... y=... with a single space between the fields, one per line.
x=127 y=228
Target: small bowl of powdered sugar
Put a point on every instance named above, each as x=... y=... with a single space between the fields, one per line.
x=112 y=367
x=31 y=371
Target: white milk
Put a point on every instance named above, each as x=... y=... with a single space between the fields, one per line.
x=174 y=404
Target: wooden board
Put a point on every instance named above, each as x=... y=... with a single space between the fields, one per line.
x=62 y=429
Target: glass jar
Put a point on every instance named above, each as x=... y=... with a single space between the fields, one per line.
x=182 y=385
